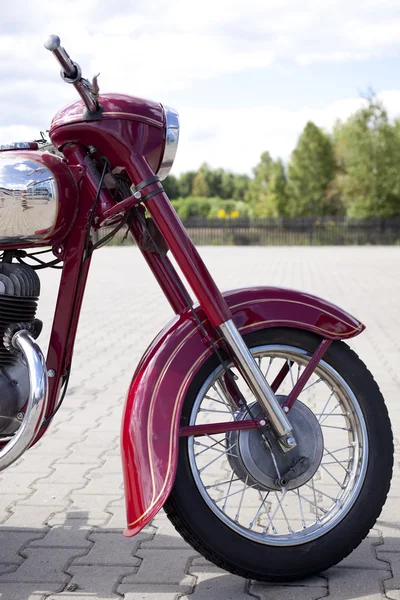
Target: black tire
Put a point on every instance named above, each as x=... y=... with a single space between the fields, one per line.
x=223 y=546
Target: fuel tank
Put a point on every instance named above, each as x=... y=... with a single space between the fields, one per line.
x=38 y=199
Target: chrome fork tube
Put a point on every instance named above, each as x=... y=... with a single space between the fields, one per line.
x=258 y=385
x=36 y=406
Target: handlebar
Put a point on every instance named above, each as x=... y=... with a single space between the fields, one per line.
x=72 y=73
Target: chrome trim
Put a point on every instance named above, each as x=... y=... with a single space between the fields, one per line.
x=28 y=199
x=37 y=402
x=171 y=141
x=16 y=146
x=258 y=384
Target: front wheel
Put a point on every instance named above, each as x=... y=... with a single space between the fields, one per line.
x=272 y=517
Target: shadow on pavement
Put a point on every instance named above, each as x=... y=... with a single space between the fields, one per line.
x=83 y=562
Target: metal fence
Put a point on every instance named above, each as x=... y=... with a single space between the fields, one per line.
x=308 y=231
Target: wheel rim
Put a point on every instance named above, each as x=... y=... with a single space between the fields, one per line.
x=285 y=517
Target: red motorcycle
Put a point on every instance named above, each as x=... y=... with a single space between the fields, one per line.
x=260 y=432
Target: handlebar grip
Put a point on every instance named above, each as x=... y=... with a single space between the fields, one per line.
x=70 y=70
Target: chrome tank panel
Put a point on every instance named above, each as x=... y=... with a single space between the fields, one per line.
x=28 y=200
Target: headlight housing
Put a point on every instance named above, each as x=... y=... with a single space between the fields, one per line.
x=171 y=142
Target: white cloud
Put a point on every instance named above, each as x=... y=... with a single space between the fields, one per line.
x=235 y=139
x=150 y=48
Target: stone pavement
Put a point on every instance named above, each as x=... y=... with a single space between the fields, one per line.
x=61 y=506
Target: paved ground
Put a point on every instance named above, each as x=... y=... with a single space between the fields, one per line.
x=61 y=507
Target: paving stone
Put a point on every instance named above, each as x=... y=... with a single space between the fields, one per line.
x=63 y=473
x=13 y=540
x=159 y=566
x=6 y=504
x=154 y=591
x=212 y=582
x=31 y=517
x=356 y=583
x=28 y=591
x=106 y=484
x=42 y=565
x=112 y=549
x=390 y=539
x=285 y=592
x=47 y=494
x=73 y=533
x=392 y=582
x=92 y=582
x=96 y=504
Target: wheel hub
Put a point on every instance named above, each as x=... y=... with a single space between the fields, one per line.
x=256 y=461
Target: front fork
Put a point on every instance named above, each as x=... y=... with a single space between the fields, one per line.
x=210 y=298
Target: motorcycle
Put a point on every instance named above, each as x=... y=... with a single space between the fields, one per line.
x=249 y=420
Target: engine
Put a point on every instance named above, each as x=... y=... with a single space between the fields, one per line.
x=19 y=294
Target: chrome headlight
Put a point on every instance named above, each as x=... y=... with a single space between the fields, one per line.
x=171 y=142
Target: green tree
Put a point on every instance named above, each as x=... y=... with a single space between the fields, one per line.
x=185 y=183
x=368 y=153
x=241 y=185
x=312 y=169
x=200 y=187
x=171 y=187
x=267 y=190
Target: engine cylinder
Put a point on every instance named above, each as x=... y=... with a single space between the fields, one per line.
x=19 y=294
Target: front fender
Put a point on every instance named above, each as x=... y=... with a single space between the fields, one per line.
x=150 y=426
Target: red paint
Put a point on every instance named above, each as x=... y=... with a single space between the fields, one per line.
x=281 y=376
x=213 y=428
x=306 y=374
x=73 y=280
x=164 y=272
x=130 y=130
x=150 y=429
x=67 y=204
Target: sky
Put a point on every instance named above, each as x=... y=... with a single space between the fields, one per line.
x=245 y=76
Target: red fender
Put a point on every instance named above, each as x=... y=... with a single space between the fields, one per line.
x=150 y=426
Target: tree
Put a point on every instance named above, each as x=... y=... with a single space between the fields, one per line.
x=200 y=187
x=171 y=187
x=185 y=183
x=311 y=171
x=241 y=185
x=267 y=190
x=368 y=154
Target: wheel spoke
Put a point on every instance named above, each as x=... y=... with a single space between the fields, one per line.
x=301 y=509
x=234 y=493
x=213 y=485
x=272 y=517
x=217 y=457
x=284 y=514
x=311 y=385
x=259 y=509
x=333 y=477
x=327 y=402
x=339 y=462
x=222 y=397
x=290 y=363
x=320 y=492
x=229 y=489
x=331 y=413
x=269 y=366
x=241 y=499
